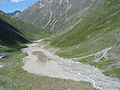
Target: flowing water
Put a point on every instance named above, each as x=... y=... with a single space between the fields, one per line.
x=58 y=67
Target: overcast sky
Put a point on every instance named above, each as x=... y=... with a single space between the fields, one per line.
x=12 y=5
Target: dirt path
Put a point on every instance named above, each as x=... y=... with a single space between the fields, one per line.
x=59 y=67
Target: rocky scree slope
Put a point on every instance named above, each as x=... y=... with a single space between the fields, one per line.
x=55 y=15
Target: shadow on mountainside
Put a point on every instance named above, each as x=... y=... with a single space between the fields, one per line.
x=10 y=35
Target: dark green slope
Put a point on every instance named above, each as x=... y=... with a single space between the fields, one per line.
x=15 y=32
x=10 y=34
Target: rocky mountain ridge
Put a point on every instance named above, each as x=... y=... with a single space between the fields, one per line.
x=56 y=15
x=15 y=13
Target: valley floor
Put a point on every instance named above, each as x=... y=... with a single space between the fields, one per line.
x=42 y=61
x=13 y=77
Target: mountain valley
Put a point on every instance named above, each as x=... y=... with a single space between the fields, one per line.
x=61 y=45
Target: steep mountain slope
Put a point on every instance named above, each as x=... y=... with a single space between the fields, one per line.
x=14 y=31
x=55 y=15
x=96 y=38
x=14 y=13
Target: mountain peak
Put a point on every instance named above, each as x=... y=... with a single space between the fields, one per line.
x=16 y=12
x=38 y=4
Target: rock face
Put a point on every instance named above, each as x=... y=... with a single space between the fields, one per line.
x=55 y=15
x=15 y=13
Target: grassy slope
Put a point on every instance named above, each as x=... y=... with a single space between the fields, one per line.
x=29 y=30
x=13 y=31
x=95 y=32
x=99 y=29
